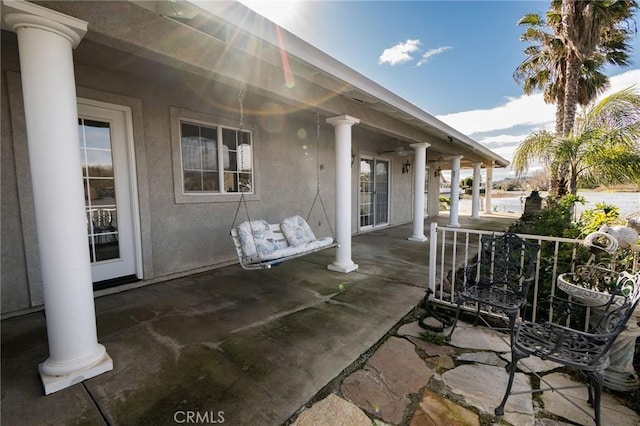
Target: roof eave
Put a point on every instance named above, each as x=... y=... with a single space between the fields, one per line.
x=259 y=26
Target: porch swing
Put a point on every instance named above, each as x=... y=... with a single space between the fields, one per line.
x=261 y=245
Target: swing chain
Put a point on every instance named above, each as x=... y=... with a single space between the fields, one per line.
x=240 y=101
x=318 y=196
x=242 y=197
x=318 y=152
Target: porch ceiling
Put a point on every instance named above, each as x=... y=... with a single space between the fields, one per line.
x=252 y=57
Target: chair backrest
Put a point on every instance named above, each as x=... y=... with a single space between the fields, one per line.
x=507 y=260
x=621 y=305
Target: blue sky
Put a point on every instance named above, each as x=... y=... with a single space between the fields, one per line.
x=454 y=59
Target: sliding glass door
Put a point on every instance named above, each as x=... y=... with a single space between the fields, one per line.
x=373 y=201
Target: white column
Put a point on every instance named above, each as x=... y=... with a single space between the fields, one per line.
x=455 y=190
x=45 y=42
x=487 y=191
x=475 y=192
x=342 y=127
x=419 y=166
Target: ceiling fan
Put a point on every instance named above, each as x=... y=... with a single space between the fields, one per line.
x=399 y=151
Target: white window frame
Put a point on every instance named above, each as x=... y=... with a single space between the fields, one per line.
x=179 y=116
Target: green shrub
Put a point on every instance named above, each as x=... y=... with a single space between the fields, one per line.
x=553 y=220
x=445 y=202
x=603 y=214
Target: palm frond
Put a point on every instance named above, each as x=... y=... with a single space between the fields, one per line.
x=534 y=147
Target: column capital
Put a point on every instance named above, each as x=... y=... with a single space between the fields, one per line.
x=343 y=119
x=21 y=14
x=457 y=157
x=477 y=163
x=419 y=145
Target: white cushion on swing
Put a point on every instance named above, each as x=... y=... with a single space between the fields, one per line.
x=262 y=241
x=290 y=251
x=297 y=231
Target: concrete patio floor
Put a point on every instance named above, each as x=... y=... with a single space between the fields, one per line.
x=231 y=346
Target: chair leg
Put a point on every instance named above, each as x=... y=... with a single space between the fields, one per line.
x=595 y=379
x=515 y=357
x=455 y=323
x=512 y=325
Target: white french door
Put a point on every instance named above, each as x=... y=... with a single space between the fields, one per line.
x=108 y=174
x=374 y=192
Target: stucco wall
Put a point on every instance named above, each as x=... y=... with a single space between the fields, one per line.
x=15 y=290
x=178 y=237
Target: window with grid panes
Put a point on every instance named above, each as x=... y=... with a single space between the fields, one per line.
x=215 y=159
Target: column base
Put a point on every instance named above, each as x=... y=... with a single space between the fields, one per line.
x=475 y=217
x=453 y=225
x=622 y=381
x=53 y=383
x=345 y=269
x=418 y=238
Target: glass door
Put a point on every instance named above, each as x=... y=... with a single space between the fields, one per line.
x=108 y=193
x=381 y=193
x=374 y=193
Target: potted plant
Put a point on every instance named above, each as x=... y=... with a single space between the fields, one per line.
x=592 y=285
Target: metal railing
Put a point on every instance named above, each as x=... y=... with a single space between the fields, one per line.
x=453 y=248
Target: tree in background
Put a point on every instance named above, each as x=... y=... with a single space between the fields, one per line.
x=603 y=146
x=551 y=51
x=586 y=28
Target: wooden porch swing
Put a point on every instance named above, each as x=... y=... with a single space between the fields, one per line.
x=261 y=245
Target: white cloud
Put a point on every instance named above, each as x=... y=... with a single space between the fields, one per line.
x=503 y=128
x=432 y=52
x=524 y=110
x=399 y=53
x=502 y=140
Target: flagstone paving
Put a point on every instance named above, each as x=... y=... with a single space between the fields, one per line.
x=409 y=381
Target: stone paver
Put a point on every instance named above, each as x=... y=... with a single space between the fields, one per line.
x=366 y=389
x=533 y=364
x=479 y=338
x=431 y=349
x=434 y=410
x=402 y=370
x=488 y=358
x=383 y=386
x=442 y=362
x=483 y=386
x=551 y=422
x=411 y=329
x=333 y=411
x=612 y=412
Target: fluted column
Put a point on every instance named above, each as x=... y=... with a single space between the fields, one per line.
x=419 y=167
x=45 y=42
x=455 y=190
x=342 y=126
x=475 y=192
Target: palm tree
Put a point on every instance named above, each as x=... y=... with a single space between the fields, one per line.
x=585 y=26
x=545 y=68
x=603 y=147
x=545 y=62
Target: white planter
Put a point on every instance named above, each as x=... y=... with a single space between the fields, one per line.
x=584 y=295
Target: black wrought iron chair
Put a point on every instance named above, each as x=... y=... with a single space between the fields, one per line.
x=499 y=279
x=586 y=352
